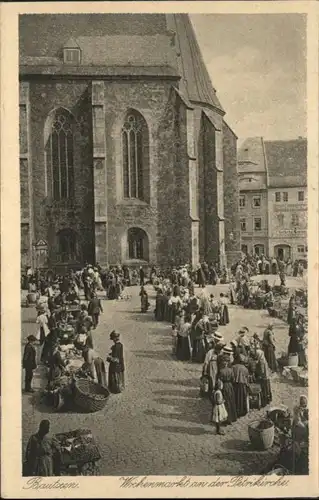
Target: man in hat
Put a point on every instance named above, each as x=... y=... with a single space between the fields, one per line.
x=94 y=309
x=29 y=362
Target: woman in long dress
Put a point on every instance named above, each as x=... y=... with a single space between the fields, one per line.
x=198 y=343
x=226 y=375
x=224 y=314
x=144 y=300
x=211 y=362
x=263 y=378
x=183 y=347
x=241 y=381
x=269 y=348
x=40 y=452
x=116 y=366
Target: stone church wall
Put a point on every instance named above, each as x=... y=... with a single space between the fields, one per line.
x=50 y=216
x=231 y=196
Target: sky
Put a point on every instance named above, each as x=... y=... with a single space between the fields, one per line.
x=257 y=64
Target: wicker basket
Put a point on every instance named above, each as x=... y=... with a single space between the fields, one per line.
x=261 y=438
x=90 y=396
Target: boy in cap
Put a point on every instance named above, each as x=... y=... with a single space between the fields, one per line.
x=29 y=362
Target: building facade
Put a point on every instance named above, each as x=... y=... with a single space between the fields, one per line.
x=287 y=198
x=273 y=197
x=253 y=199
x=125 y=156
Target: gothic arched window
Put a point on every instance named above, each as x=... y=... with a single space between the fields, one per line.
x=135 y=156
x=60 y=154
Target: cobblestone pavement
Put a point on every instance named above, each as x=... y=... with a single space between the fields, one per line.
x=159 y=425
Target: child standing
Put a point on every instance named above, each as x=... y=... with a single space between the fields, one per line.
x=219 y=412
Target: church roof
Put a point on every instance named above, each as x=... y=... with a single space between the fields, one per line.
x=196 y=82
x=149 y=40
x=287 y=162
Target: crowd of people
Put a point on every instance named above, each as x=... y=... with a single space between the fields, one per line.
x=61 y=318
x=232 y=375
x=228 y=370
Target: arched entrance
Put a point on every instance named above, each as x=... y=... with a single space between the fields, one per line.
x=283 y=252
x=67 y=246
x=137 y=244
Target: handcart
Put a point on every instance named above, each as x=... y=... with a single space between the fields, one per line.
x=78 y=454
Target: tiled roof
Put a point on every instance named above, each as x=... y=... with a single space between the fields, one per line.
x=196 y=82
x=140 y=40
x=287 y=162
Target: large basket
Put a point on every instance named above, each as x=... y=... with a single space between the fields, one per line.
x=88 y=451
x=90 y=396
x=261 y=438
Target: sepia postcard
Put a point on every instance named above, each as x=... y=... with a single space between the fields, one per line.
x=159 y=249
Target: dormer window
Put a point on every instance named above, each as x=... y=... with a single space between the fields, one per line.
x=72 y=56
x=71 y=52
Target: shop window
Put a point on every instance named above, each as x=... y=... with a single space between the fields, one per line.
x=257 y=224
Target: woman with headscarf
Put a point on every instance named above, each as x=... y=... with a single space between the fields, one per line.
x=56 y=363
x=269 y=348
x=262 y=375
x=211 y=362
x=241 y=381
x=116 y=366
x=226 y=375
x=243 y=342
x=201 y=329
x=40 y=451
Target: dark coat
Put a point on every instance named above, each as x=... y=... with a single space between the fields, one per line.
x=29 y=357
x=94 y=306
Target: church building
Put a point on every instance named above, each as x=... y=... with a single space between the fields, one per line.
x=125 y=156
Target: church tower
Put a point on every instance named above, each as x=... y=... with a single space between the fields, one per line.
x=125 y=156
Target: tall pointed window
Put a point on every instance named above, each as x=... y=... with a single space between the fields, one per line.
x=60 y=154
x=135 y=156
